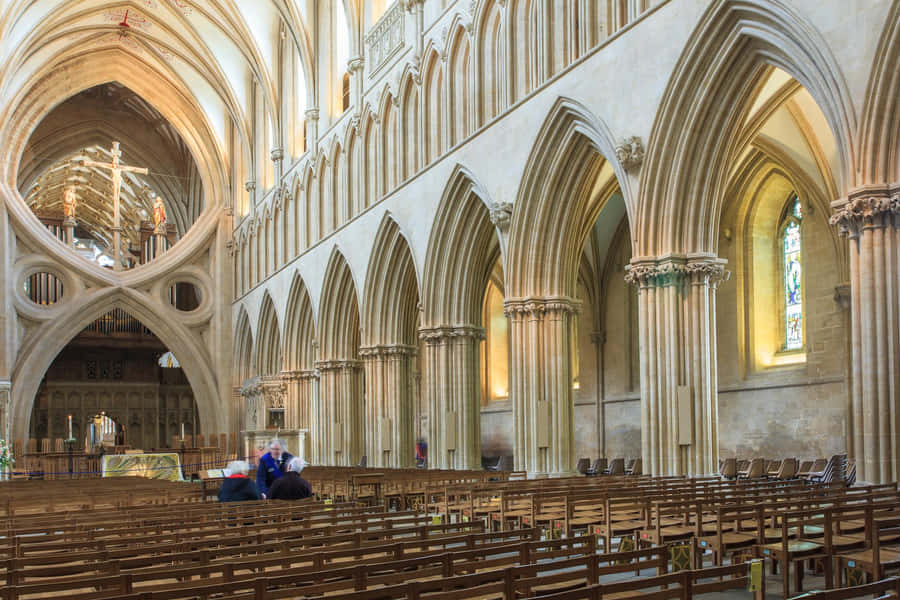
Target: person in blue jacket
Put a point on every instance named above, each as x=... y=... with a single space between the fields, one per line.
x=272 y=465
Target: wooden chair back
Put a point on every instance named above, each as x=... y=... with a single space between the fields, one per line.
x=788 y=469
x=583 y=465
x=616 y=467
x=757 y=468
x=730 y=468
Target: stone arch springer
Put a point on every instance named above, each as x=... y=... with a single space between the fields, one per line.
x=39 y=351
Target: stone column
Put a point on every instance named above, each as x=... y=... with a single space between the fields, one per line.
x=336 y=415
x=679 y=387
x=453 y=396
x=389 y=405
x=540 y=345
x=870 y=218
x=355 y=68
x=598 y=339
x=5 y=417
x=300 y=387
x=277 y=156
x=312 y=129
x=69 y=231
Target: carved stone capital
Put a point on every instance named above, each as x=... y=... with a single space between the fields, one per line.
x=669 y=270
x=443 y=334
x=501 y=214
x=867 y=208
x=277 y=154
x=388 y=351
x=250 y=185
x=300 y=375
x=630 y=152
x=356 y=63
x=312 y=114
x=539 y=307
x=323 y=366
x=710 y=271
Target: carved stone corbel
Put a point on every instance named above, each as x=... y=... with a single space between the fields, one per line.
x=501 y=215
x=630 y=153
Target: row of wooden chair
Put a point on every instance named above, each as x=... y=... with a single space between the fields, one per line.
x=616 y=466
x=837 y=468
x=452 y=561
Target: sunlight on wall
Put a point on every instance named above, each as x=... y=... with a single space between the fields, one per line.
x=496 y=345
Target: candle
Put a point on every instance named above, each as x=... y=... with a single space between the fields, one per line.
x=182 y=431
x=70 y=427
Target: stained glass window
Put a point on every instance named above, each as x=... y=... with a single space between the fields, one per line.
x=793 y=279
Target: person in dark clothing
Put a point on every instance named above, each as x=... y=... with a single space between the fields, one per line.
x=272 y=465
x=237 y=487
x=291 y=486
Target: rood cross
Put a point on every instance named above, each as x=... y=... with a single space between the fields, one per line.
x=116 y=169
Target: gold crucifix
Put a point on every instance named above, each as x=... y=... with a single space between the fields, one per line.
x=116 y=169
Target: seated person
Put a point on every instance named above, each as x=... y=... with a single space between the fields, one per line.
x=272 y=465
x=291 y=486
x=237 y=487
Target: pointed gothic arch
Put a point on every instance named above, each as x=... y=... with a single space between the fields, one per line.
x=433 y=103
x=300 y=328
x=409 y=127
x=391 y=297
x=692 y=139
x=268 y=339
x=459 y=69
x=570 y=174
x=339 y=311
x=879 y=148
x=39 y=351
x=462 y=250
x=491 y=61
x=244 y=365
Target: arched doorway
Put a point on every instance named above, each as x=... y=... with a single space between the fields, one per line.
x=115 y=383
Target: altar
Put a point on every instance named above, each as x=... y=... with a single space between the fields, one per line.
x=152 y=466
